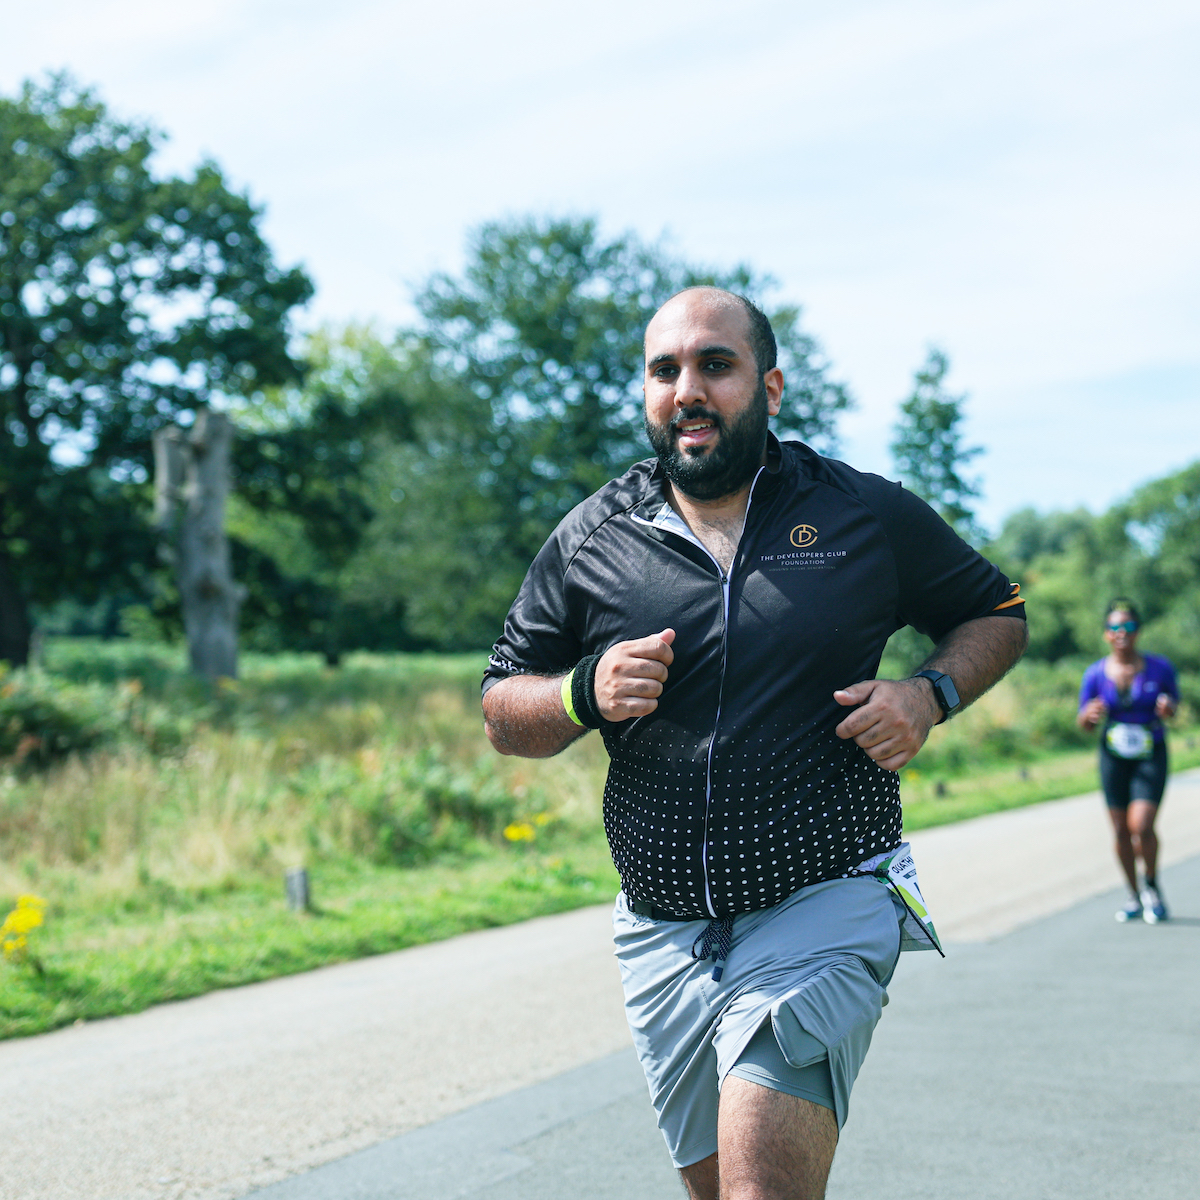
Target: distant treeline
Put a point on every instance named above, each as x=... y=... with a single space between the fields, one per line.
x=1145 y=548
x=391 y=488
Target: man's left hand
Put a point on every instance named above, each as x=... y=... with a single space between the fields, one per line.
x=892 y=719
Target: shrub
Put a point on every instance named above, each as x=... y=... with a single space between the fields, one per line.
x=423 y=806
x=43 y=720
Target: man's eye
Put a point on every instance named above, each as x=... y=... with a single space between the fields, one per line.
x=716 y=364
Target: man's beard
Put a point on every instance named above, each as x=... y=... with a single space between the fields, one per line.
x=729 y=465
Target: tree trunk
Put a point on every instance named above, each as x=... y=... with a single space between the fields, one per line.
x=15 y=626
x=192 y=479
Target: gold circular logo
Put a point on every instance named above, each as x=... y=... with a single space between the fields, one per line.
x=803 y=535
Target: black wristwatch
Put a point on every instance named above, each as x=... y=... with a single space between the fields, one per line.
x=944 y=691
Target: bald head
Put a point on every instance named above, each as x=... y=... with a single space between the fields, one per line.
x=705 y=299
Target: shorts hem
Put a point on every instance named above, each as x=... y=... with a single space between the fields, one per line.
x=741 y=1071
x=694 y=1152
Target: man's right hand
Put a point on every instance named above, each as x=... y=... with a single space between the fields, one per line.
x=630 y=676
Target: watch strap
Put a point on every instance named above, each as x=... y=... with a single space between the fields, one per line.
x=939 y=691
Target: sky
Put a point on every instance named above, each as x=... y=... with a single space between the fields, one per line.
x=1016 y=182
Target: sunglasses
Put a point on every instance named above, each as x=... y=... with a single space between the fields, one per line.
x=1123 y=627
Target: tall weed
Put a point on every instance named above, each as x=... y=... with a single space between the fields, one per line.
x=170 y=786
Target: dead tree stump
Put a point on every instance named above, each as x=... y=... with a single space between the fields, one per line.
x=191 y=484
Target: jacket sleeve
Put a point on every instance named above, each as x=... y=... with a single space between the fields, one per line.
x=943 y=582
x=539 y=636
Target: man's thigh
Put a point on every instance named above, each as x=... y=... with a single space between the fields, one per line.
x=823 y=957
x=771 y=1146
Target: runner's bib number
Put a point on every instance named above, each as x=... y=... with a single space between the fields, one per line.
x=899 y=872
x=1129 y=741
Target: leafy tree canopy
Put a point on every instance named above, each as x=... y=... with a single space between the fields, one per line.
x=928 y=450
x=126 y=299
x=302 y=504
x=525 y=376
x=1146 y=548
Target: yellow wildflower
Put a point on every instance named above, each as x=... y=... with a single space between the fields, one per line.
x=14 y=933
x=520 y=831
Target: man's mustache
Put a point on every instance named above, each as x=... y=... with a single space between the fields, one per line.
x=694 y=414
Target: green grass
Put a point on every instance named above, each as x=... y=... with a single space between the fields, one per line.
x=161 y=842
x=103 y=961
x=997 y=788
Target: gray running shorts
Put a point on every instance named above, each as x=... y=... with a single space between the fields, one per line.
x=815 y=966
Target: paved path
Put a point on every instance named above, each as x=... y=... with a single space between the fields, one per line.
x=1056 y=1063
x=519 y=1032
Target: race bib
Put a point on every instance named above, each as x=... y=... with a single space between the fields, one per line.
x=899 y=872
x=1129 y=741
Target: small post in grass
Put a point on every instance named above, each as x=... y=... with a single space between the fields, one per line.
x=295 y=881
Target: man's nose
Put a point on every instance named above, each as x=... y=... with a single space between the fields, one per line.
x=689 y=388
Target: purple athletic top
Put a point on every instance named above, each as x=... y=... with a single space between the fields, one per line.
x=1137 y=706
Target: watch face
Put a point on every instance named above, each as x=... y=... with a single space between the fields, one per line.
x=944 y=690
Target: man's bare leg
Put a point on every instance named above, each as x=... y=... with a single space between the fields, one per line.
x=701 y=1179
x=770 y=1146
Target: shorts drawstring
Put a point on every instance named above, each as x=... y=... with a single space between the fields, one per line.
x=715 y=943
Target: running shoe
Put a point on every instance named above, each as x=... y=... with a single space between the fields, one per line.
x=1153 y=909
x=1131 y=912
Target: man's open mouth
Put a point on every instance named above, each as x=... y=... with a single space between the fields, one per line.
x=695 y=431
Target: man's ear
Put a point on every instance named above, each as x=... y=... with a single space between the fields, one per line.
x=773 y=382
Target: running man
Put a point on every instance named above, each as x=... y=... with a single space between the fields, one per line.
x=719 y=613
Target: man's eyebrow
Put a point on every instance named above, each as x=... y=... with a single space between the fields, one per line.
x=703 y=352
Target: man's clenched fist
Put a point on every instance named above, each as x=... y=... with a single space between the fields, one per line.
x=630 y=676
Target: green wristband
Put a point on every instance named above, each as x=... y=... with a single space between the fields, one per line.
x=566 y=698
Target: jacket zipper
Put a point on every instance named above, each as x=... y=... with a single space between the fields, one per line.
x=726 y=584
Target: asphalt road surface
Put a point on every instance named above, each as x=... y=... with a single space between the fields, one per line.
x=1052 y=1055
x=1059 y=1061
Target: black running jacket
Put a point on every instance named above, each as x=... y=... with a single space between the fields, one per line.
x=736 y=791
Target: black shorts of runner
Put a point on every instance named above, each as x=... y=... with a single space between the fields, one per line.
x=1128 y=779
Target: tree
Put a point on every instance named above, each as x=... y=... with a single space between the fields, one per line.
x=1071 y=564
x=928 y=450
x=525 y=380
x=191 y=486
x=303 y=504
x=127 y=301
x=1160 y=526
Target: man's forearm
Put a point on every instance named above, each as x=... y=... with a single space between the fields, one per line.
x=979 y=653
x=524 y=715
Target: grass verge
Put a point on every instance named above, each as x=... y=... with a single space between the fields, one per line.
x=157 y=817
x=104 y=962
x=931 y=799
